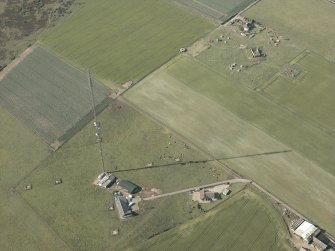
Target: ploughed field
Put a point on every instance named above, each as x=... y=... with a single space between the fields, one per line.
x=50 y=97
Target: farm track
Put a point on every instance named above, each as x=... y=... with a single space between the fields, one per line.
x=231 y=181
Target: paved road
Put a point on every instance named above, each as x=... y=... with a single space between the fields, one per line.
x=199 y=187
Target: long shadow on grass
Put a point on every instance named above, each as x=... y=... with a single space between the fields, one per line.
x=175 y=164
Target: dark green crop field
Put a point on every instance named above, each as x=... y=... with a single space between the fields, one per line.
x=49 y=96
x=124 y=40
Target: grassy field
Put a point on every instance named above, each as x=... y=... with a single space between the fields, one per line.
x=124 y=40
x=255 y=71
x=311 y=93
x=20 y=152
x=216 y=9
x=55 y=101
x=305 y=21
x=244 y=222
x=77 y=210
x=199 y=104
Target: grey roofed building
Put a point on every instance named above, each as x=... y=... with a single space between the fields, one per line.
x=122 y=206
x=108 y=183
x=256 y=52
x=129 y=186
x=306 y=231
x=318 y=244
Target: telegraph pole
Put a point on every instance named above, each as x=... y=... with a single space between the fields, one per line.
x=96 y=124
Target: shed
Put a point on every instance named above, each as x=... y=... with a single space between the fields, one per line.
x=226 y=191
x=108 y=183
x=256 y=52
x=318 y=244
x=129 y=186
x=306 y=231
x=122 y=206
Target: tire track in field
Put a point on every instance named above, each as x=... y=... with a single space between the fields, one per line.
x=221 y=233
x=260 y=235
x=235 y=241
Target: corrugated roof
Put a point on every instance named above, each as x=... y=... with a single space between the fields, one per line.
x=305 y=230
x=122 y=206
x=129 y=186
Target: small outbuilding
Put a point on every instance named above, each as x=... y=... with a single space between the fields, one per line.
x=318 y=244
x=256 y=52
x=106 y=180
x=129 y=186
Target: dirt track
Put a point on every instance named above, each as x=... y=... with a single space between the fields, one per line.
x=231 y=181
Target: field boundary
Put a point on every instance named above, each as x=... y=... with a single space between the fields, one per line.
x=80 y=124
x=16 y=62
x=82 y=116
x=261 y=90
x=226 y=166
x=298 y=116
x=46 y=224
x=270 y=196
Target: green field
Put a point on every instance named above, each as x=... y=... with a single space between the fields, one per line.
x=77 y=210
x=124 y=40
x=20 y=152
x=55 y=101
x=255 y=71
x=310 y=94
x=217 y=9
x=304 y=21
x=244 y=222
x=228 y=120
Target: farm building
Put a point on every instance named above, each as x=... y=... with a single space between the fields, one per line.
x=221 y=189
x=318 y=244
x=209 y=195
x=198 y=195
x=256 y=53
x=129 y=186
x=204 y=196
x=123 y=206
x=306 y=231
x=106 y=180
